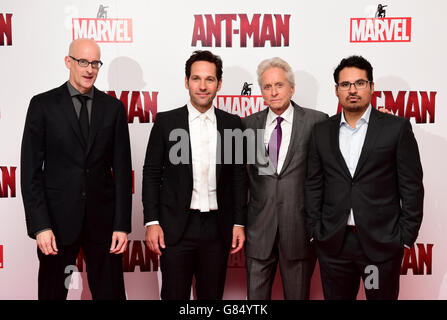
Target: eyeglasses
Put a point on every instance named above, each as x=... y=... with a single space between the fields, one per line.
x=359 y=84
x=84 y=63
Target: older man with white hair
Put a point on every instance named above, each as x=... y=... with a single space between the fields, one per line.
x=275 y=228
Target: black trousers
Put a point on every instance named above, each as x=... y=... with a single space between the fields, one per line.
x=341 y=274
x=104 y=270
x=202 y=254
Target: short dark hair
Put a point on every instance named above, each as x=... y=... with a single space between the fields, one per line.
x=204 y=55
x=357 y=62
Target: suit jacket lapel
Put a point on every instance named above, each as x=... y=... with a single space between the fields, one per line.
x=220 y=144
x=297 y=130
x=69 y=111
x=374 y=128
x=335 y=143
x=183 y=123
x=96 y=118
x=262 y=157
x=262 y=119
x=260 y=122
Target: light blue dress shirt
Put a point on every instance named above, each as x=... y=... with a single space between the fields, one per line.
x=351 y=143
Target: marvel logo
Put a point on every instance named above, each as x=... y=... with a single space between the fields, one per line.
x=103 y=30
x=243 y=106
x=1 y=257
x=380 y=29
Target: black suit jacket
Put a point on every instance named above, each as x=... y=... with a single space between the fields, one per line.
x=66 y=182
x=385 y=193
x=167 y=187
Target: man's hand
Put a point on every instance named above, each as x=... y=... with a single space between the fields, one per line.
x=238 y=239
x=46 y=241
x=119 y=242
x=155 y=238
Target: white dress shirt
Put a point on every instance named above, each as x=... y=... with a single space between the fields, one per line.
x=286 y=127
x=351 y=143
x=204 y=196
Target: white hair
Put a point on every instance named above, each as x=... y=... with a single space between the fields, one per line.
x=275 y=62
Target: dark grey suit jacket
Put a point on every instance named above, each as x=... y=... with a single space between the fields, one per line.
x=277 y=200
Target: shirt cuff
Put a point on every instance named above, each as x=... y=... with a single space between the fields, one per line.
x=151 y=223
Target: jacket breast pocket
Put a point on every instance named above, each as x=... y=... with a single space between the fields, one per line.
x=384 y=149
x=106 y=131
x=384 y=154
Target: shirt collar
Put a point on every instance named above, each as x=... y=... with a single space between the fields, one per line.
x=287 y=115
x=194 y=113
x=74 y=92
x=363 y=119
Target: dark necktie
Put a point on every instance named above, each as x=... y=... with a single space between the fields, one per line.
x=275 y=142
x=83 y=116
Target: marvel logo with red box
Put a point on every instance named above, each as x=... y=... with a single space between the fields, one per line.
x=380 y=29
